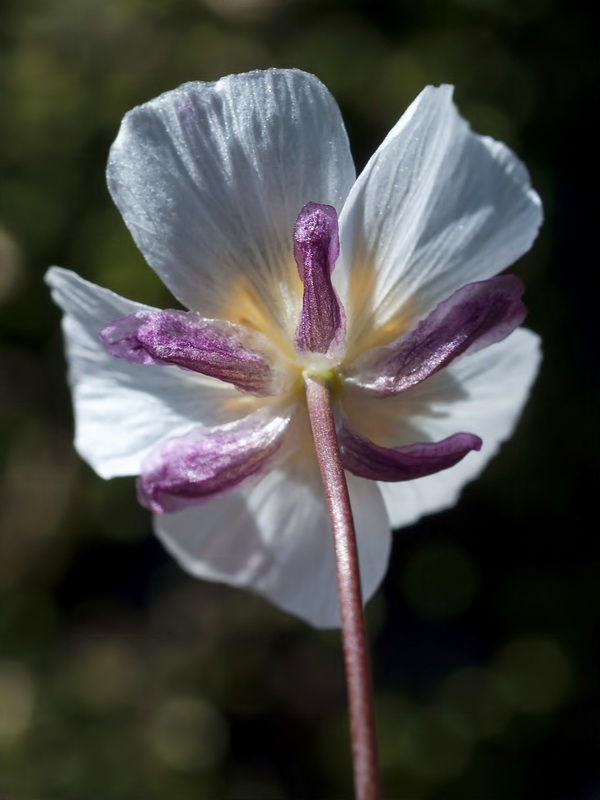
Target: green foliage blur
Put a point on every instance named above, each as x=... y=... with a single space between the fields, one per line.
x=121 y=678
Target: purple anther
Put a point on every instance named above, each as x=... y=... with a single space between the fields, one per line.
x=369 y=460
x=322 y=326
x=189 y=470
x=475 y=316
x=217 y=348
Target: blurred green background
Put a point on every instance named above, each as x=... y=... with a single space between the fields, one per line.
x=121 y=678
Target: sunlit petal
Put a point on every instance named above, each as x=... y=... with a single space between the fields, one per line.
x=123 y=410
x=436 y=207
x=484 y=393
x=211 y=177
x=276 y=539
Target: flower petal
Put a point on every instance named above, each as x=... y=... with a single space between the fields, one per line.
x=123 y=410
x=188 y=470
x=321 y=327
x=276 y=539
x=436 y=207
x=472 y=318
x=211 y=177
x=369 y=460
x=213 y=347
x=485 y=393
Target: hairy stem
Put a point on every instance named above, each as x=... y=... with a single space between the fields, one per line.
x=356 y=653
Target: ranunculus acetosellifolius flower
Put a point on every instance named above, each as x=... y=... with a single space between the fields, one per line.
x=242 y=196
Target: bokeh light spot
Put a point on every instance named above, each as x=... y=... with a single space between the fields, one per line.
x=11 y=265
x=537 y=674
x=17 y=695
x=188 y=734
x=480 y=698
x=438 y=749
x=105 y=674
x=252 y=9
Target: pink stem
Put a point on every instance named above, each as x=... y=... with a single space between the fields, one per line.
x=356 y=653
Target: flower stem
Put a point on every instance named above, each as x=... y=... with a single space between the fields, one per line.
x=356 y=654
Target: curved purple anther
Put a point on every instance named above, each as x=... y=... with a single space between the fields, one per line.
x=369 y=460
x=475 y=316
x=188 y=470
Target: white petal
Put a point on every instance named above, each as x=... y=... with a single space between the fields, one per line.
x=482 y=394
x=436 y=207
x=276 y=540
x=211 y=177
x=123 y=410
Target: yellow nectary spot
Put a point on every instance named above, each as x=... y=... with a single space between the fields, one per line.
x=368 y=323
x=272 y=316
x=275 y=313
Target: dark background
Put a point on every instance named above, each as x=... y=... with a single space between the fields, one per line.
x=121 y=678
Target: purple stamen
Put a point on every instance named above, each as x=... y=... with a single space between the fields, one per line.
x=369 y=460
x=212 y=347
x=475 y=316
x=189 y=470
x=321 y=327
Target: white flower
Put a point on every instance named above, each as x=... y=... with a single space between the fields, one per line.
x=232 y=191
